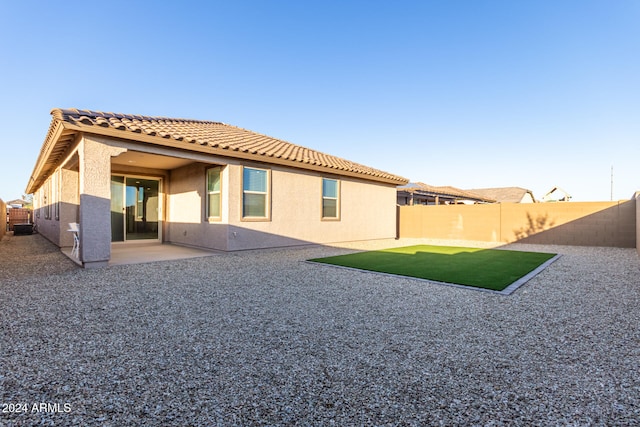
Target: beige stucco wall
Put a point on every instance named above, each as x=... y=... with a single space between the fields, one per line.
x=185 y=216
x=575 y=223
x=69 y=205
x=48 y=227
x=367 y=210
x=95 y=200
x=82 y=195
x=65 y=198
x=527 y=198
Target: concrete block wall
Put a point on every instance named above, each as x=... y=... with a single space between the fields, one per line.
x=3 y=215
x=637 y=198
x=613 y=224
x=455 y=222
x=580 y=224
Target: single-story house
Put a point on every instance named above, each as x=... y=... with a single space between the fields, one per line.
x=506 y=194
x=17 y=203
x=419 y=193
x=556 y=194
x=128 y=178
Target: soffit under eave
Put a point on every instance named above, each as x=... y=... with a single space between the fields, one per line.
x=182 y=145
x=424 y=193
x=53 y=152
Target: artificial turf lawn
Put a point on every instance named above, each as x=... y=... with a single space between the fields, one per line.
x=484 y=268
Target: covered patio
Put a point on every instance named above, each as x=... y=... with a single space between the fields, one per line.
x=141 y=253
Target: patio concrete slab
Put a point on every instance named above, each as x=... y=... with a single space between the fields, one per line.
x=140 y=253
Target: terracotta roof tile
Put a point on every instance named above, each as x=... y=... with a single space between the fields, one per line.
x=444 y=191
x=504 y=194
x=218 y=136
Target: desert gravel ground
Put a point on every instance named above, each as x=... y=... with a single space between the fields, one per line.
x=264 y=338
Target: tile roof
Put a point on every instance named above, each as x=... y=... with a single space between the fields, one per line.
x=447 y=191
x=504 y=194
x=212 y=137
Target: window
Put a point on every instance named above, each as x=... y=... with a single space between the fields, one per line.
x=255 y=195
x=214 y=206
x=56 y=206
x=330 y=198
x=47 y=199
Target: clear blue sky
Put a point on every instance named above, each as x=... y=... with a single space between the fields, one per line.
x=465 y=93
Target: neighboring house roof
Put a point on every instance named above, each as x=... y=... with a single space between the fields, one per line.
x=17 y=202
x=504 y=194
x=446 y=191
x=196 y=135
x=549 y=197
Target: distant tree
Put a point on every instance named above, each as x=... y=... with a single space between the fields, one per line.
x=29 y=199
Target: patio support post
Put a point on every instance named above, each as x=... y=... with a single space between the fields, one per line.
x=95 y=201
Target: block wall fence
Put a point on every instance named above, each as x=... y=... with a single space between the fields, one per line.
x=637 y=198
x=3 y=215
x=613 y=224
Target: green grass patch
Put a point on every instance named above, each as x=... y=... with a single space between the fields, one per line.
x=484 y=268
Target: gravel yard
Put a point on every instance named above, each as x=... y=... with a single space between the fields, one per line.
x=264 y=338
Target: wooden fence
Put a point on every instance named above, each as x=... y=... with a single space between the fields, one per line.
x=19 y=216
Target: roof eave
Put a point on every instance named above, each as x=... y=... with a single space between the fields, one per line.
x=55 y=130
x=225 y=152
x=445 y=194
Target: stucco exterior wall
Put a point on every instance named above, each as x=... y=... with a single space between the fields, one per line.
x=575 y=223
x=46 y=201
x=185 y=219
x=527 y=198
x=69 y=205
x=367 y=210
x=63 y=207
x=95 y=201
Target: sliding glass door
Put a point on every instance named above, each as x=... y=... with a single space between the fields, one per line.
x=117 y=208
x=135 y=208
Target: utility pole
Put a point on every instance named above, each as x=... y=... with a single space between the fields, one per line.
x=612 y=183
